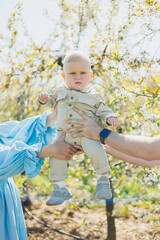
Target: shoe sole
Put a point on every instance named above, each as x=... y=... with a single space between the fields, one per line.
x=58 y=202
x=104 y=198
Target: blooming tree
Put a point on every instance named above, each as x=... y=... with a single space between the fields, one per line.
x=122 y=40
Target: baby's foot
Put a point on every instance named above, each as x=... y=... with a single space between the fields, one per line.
x=103 y=188
x=59 y=195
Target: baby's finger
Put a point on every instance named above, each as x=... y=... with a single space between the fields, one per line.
x=113 y=122
x=117 y=123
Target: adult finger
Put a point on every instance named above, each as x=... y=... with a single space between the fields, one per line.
x=69 y=156
x=81 y=113
x=79 y=134
x=66 y=157
x=78 y=147
x=76 y=129
x=72 y=148
x=76 y=121
x=62 y=136
x=78 y=152
x=69 y=149
x=68 y=152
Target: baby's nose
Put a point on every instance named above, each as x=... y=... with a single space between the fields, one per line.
x=78 y=76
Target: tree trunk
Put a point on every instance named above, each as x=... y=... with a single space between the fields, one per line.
x=110 y=219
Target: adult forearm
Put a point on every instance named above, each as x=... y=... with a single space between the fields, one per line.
x=147 y=148
x=131 y=159
x=59 y=149
x=46 y=151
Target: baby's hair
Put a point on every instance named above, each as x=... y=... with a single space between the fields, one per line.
x=75 y=56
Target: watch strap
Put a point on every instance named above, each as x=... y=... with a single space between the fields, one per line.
x=104 y=134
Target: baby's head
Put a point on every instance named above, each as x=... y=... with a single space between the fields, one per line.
x=77 y=70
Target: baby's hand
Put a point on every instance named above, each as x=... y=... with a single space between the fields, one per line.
x=43 y=97
x=113 y=121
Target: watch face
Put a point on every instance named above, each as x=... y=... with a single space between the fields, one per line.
x=104 y=133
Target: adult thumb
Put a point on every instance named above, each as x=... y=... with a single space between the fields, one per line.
x=62 y=136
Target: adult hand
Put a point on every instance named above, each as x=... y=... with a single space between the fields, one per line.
x=63 y=150
x=59 y=149
x=88 y=127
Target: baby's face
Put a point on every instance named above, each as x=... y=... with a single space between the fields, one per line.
x=77 y=75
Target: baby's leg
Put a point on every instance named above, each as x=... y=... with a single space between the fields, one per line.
x=98 y=157
x=58 y=170
x=58 y=174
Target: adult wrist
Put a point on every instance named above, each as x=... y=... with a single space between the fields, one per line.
x=104 y=134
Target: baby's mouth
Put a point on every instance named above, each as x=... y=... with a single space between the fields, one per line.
x=78 y=82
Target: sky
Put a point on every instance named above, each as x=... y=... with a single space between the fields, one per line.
x=38 y=25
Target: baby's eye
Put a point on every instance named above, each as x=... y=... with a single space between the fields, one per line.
x=82 y=72
x=72 y=73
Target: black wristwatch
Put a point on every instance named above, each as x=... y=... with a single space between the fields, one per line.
x=104 y=134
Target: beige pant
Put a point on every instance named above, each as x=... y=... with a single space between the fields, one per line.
x=93 y=149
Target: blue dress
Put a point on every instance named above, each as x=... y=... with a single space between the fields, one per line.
x=19 y=142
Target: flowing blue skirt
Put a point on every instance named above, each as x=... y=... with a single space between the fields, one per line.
x=19 y=142
x=12 y=225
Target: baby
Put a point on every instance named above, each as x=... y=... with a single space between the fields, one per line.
x=76 y=91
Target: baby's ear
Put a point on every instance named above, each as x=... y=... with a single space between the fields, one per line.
x=63 y=75
x=91 y=74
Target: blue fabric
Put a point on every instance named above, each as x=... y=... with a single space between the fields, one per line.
x=12 y=224
x=19 y=142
